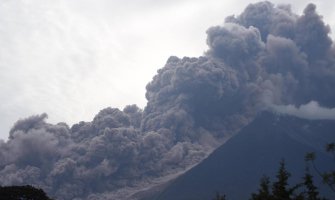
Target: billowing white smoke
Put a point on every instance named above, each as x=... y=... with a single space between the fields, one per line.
x=311 y=110
x=265 y=56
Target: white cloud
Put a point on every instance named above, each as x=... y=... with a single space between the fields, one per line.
x=311 y=110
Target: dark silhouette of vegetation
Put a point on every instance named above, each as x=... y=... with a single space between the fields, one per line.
x=22 y=193
x=264 y=190
x=308 y=191
x=328 y=176
x=311 y=192
x=305 y=190
x=280 y=189
x=220 y=197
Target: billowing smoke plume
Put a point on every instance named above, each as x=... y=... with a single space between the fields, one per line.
x=264 y=58
x=312 y=110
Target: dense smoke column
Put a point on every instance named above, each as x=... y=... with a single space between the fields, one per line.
x=266 y=56
x=190 y=94
x=298 y=59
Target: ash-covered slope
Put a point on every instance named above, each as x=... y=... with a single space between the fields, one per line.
x=236 y=167
x=265 y=57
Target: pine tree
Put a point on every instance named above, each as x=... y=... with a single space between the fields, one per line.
x=264 y=190
x=280 y=188
x=312 y=192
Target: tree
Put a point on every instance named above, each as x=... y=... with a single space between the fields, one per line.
x=280 y=188
x=220 y=197
x=264 y=192
x=312 y=192
x=328 y=176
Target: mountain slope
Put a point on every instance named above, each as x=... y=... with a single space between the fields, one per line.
x=236 y=167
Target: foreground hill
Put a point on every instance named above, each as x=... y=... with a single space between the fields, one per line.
x=26 y=192
x=237 y=166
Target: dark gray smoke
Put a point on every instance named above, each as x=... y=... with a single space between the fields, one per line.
x=266 y=57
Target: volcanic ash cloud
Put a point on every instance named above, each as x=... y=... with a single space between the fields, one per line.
x=266 y=57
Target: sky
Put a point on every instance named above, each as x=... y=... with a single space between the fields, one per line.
x=72 y=58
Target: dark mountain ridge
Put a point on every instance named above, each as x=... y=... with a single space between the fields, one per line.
x=236 y=167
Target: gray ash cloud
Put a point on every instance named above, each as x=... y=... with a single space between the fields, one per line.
x=263 y=57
